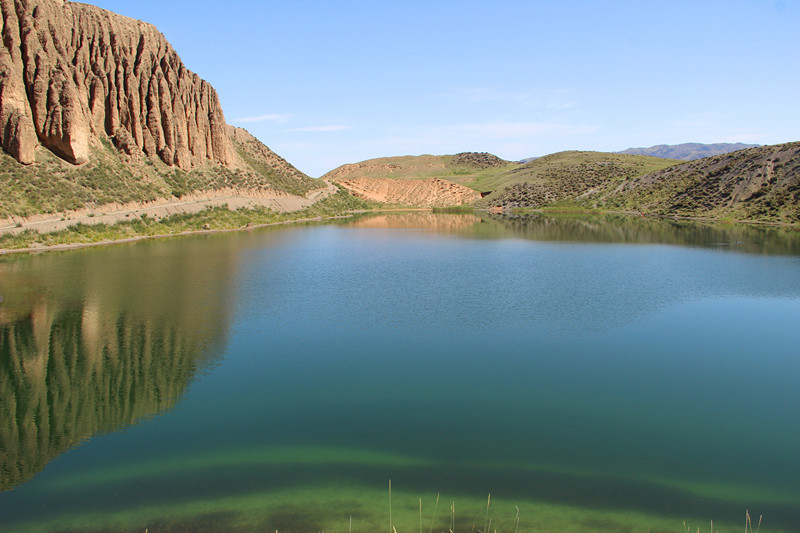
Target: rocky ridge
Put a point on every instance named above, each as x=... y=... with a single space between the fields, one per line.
x=72 y=73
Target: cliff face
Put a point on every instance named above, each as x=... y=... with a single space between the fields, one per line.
x=71 y=74
x=99 y=109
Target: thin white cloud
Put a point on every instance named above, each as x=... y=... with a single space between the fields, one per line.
x=516 y=130
x=544 y=99
x=561 y=105
x=479 y=95
x=263 y=118
x=331 y=127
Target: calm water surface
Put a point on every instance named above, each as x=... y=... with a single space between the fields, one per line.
x=598 y=374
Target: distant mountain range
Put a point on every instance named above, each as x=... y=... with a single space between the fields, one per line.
x=688 y=151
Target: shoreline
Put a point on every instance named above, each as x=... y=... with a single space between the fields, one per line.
x=109 y=242
x=276 y=200
x=353 y=213
x=546 y=211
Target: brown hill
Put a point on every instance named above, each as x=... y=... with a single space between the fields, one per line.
x=98 y=108
x=760 y=183
x=423 y=180
x=427 y=192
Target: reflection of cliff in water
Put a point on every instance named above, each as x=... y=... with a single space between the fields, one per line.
x=610 y=228
x=93 y=341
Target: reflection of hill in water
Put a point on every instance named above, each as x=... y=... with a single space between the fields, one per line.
x=628 y=229
x=92 y=342
x=442 y=223
x=579 y=289
x=747 y=238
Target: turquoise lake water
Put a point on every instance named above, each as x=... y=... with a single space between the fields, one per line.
x=596 y=374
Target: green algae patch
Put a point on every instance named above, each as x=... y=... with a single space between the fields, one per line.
x=353 y=507
x=195 y=463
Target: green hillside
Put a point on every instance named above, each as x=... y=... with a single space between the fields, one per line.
x=51 y=185
x=757 y=184
x=543 y=181
x=473 y=169
x=760 y=184
x=565 y=176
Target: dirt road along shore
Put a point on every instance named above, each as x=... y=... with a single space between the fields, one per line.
x=109 y=214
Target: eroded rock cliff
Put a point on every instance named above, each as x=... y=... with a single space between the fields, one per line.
x=71 y=74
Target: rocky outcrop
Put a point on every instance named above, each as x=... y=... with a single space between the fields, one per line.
x=478 y=160
x=432 y=192
x=72 y=74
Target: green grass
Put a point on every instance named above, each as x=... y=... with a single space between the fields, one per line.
x=51 y=185
x=294 y=184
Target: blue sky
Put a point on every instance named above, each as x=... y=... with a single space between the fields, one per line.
x=328 y=83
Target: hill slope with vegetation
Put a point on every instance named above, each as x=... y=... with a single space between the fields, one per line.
x=473 y=169
x=52 y=185
x=541 y=182
x=755 y=184
x=759 y=184
x=564 y=177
